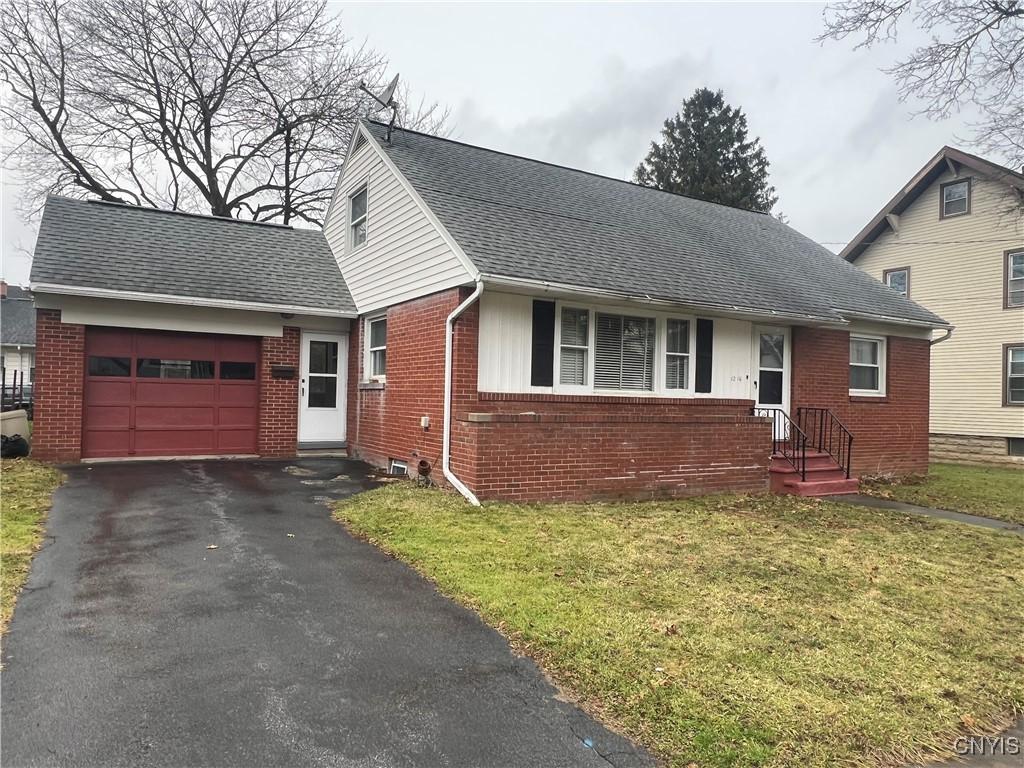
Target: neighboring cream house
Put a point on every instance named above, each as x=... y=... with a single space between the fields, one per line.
x=17 y=335
x=953 y=240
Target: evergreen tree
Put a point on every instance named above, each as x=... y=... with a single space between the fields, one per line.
x=705 y=153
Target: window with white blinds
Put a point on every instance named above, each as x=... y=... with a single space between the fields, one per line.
x=677 y=354
x=574 y=343
x=624 y=354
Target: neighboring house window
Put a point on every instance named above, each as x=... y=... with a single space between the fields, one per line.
x=677 y=354
x=955 y=198
x=357 y=217
x=1014 y=279
x=1015 y=446
x=1013 y=374
x=574 y=343
x=624 y=356
x=376 y=347
x=898 y=280
x=867 y=365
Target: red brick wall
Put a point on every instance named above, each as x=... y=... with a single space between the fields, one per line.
x=59 y=381
x=579 y=447
x=890 y=433
x=384 y=422
x=279 y=398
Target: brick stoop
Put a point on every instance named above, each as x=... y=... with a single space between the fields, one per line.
x=824 y=477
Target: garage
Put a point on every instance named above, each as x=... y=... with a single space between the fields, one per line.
x=157 y=393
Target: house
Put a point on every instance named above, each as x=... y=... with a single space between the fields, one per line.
x=512 y=328
x=17 y=336
x=953 y=239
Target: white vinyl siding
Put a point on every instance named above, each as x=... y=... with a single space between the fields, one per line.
x=405 y=255
x=957 y=268
x=19 y=362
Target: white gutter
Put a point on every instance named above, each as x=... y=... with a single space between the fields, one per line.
x=446 y=433
x=190 y=301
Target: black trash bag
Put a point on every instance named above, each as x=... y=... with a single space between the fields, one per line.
x=13 y=447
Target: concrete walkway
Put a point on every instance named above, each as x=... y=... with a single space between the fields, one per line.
x=942 y=514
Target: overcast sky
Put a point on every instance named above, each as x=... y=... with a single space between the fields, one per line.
x=588 y=86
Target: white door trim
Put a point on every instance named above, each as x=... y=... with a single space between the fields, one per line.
x=320 y=425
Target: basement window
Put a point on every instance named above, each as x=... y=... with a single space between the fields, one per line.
x=396 y=467
x=1015 y=446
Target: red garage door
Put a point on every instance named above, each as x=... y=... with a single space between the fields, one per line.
x=153 y=393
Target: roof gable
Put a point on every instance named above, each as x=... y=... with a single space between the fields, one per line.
x=945 y=159
x=524 y=219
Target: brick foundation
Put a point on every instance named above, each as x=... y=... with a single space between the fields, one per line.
x=59 y=382
x=890 y=433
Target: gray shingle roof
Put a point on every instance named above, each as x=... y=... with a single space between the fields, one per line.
x=92 y=244
x=17 y=317
x=527 y=219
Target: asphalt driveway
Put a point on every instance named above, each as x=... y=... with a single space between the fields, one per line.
x=290 y=643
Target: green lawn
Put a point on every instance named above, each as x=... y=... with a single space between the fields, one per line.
x=737 y=631
x=988 y=491
x=25 y=490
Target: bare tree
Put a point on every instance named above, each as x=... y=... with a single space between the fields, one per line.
x=975 y=55
x=238 y=107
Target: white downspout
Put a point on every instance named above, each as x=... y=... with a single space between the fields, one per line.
x=446 y=432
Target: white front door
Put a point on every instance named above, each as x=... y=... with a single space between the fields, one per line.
x=770 y=382
x=322 y=387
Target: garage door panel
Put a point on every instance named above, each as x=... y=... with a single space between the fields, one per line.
x=171 y=442
x=236 y=417
x=193 y=416
x=163 y=392
x=235 y=440
x=148 y=409
x=109 y=392
x=108 y=416
x=98 y=443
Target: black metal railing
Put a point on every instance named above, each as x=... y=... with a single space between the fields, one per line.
x=16 y=394
x=788 y=439
x=828 y=434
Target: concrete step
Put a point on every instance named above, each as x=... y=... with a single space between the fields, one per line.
x=820 y=487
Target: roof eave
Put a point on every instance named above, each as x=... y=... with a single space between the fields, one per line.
x=893 y=320
x=189 y=301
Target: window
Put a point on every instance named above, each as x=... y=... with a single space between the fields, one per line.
x=156 y=368
x=398 y=467
x=574 y=344
x=110 y=366
x=867 y=366
x=1013 y=375
x=898 y=280
x=1015 y=446
x=955 y=198
x=1014 y=275
x=323 y=374
x=376 y=348
x=677 y=354
x=624 y=357
x=238 y=371
x=357 y=217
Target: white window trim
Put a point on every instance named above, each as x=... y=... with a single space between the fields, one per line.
x=660 y=347
x=368 y=350
x=358 y=189
x=882 y=358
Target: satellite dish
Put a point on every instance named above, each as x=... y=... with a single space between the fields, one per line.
x=386 y=100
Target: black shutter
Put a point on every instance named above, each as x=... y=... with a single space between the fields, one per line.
x=542 y=355
x=705 y=337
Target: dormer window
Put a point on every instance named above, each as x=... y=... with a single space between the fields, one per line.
x=357 y=218
x=955 y=198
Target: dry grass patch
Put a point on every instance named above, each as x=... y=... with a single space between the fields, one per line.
x=738 y=631
x=25 y=490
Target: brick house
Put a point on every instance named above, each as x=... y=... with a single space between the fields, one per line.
x=519 y=329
